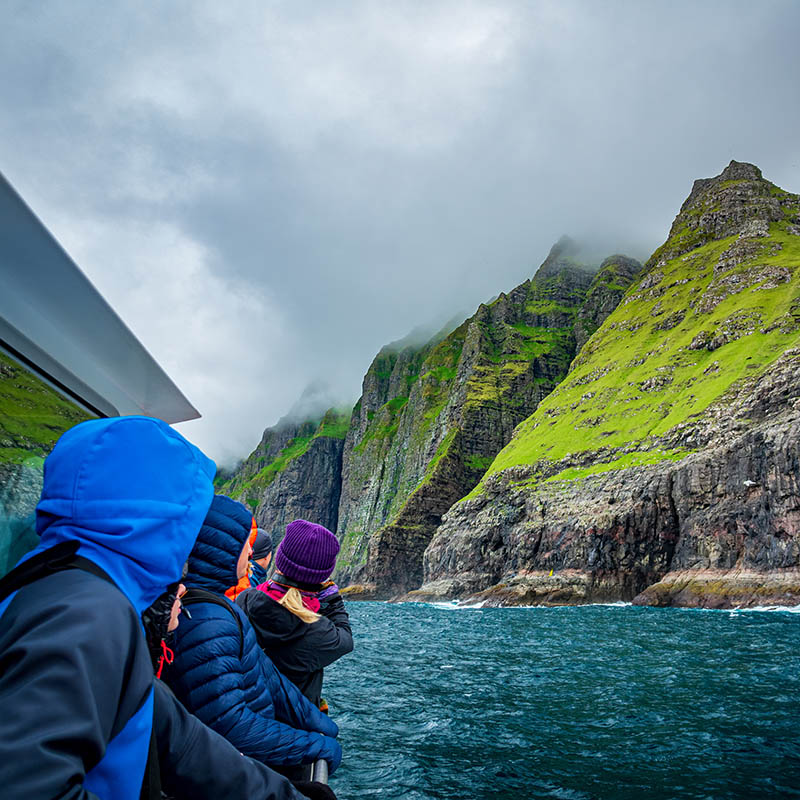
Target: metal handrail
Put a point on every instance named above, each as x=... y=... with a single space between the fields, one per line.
x=319 y=771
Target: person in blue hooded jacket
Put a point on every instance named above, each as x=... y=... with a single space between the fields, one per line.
x=76 y=680
x=221 y=674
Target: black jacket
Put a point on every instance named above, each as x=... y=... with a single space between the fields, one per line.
x=198 y=763
x=300 y=650
x=75 y=669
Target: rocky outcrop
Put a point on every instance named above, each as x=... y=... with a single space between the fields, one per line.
x=730 y=510
x=612 y=281
x=295 y=472
x=432 y=417
x=665 y=469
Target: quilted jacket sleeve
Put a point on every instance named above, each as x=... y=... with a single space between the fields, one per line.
x=293 y=707
x=198 y=763
x=226 y=691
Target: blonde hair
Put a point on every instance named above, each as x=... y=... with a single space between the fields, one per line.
x=293 y=600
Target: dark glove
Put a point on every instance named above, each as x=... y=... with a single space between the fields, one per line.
x=315 y=790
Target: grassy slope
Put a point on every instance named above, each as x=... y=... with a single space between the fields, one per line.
x=32 y=415
x=428 y=363
x=634 y=382
x=333 y=425
x=506 y=353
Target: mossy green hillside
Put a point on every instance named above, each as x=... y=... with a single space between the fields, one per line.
x=697 y=324
x=259 y=471
x=32 y=415
x=334 y=424
x=512 y=355
x=634 y=459
x=527 y=349
x=421 y=449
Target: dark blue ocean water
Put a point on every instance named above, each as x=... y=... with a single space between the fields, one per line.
x=575 y=703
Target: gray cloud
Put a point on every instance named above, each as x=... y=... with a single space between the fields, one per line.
x=269 y=192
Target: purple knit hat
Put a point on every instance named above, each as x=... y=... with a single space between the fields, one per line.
x=307 y=553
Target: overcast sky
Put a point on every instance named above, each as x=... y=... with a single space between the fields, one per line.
x=268 y=192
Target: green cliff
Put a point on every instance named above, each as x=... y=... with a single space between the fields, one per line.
x=432 y=417
x=32 y=417
x=295 y=472
x=672 y=443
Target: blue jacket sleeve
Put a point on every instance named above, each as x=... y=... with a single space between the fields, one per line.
x=209 y=678
x=197 y=763
x=56 y=637
x=293 y=707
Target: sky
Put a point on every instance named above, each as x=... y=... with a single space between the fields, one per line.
x=269 y=192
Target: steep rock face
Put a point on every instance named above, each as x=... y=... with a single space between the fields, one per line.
x=431 y=419
x=612 y=281
x=666 y=467
x=368 y=494
x=295 y=472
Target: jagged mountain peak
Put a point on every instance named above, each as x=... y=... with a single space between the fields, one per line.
x=740 y=170
x=659 y=463
x=312 y=404
x=626 y=263
x=737 y=171
x=737 y=201
x=565 y=247
x=421 y=336
x=563 y=260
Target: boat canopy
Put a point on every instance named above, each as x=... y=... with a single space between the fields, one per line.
x=54 y=320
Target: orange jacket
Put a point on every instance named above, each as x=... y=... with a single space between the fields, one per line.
x=243 y=583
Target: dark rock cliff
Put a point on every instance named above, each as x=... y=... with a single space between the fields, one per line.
x=612 y=281
x=295 y=472
x=431 y=418
x=666 y=467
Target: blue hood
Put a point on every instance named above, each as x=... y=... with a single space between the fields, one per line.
x=134 y=493
x=212 y=563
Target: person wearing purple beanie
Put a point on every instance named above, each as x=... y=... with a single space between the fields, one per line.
x=299 y=616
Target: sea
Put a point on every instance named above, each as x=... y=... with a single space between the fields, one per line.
x=604 y=701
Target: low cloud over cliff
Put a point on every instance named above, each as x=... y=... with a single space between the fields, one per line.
x=268 y=193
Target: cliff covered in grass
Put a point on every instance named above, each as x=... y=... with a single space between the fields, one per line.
x=295 y=472
x=665 y=467
x=432 y=417
x=32 y=417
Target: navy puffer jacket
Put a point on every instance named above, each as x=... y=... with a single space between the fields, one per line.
x=243 y=698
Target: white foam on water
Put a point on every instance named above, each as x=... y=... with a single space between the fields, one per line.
x=617 y=604
x=733 y=612
x=454 y=605
x=477 y=604
x=761 y=609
